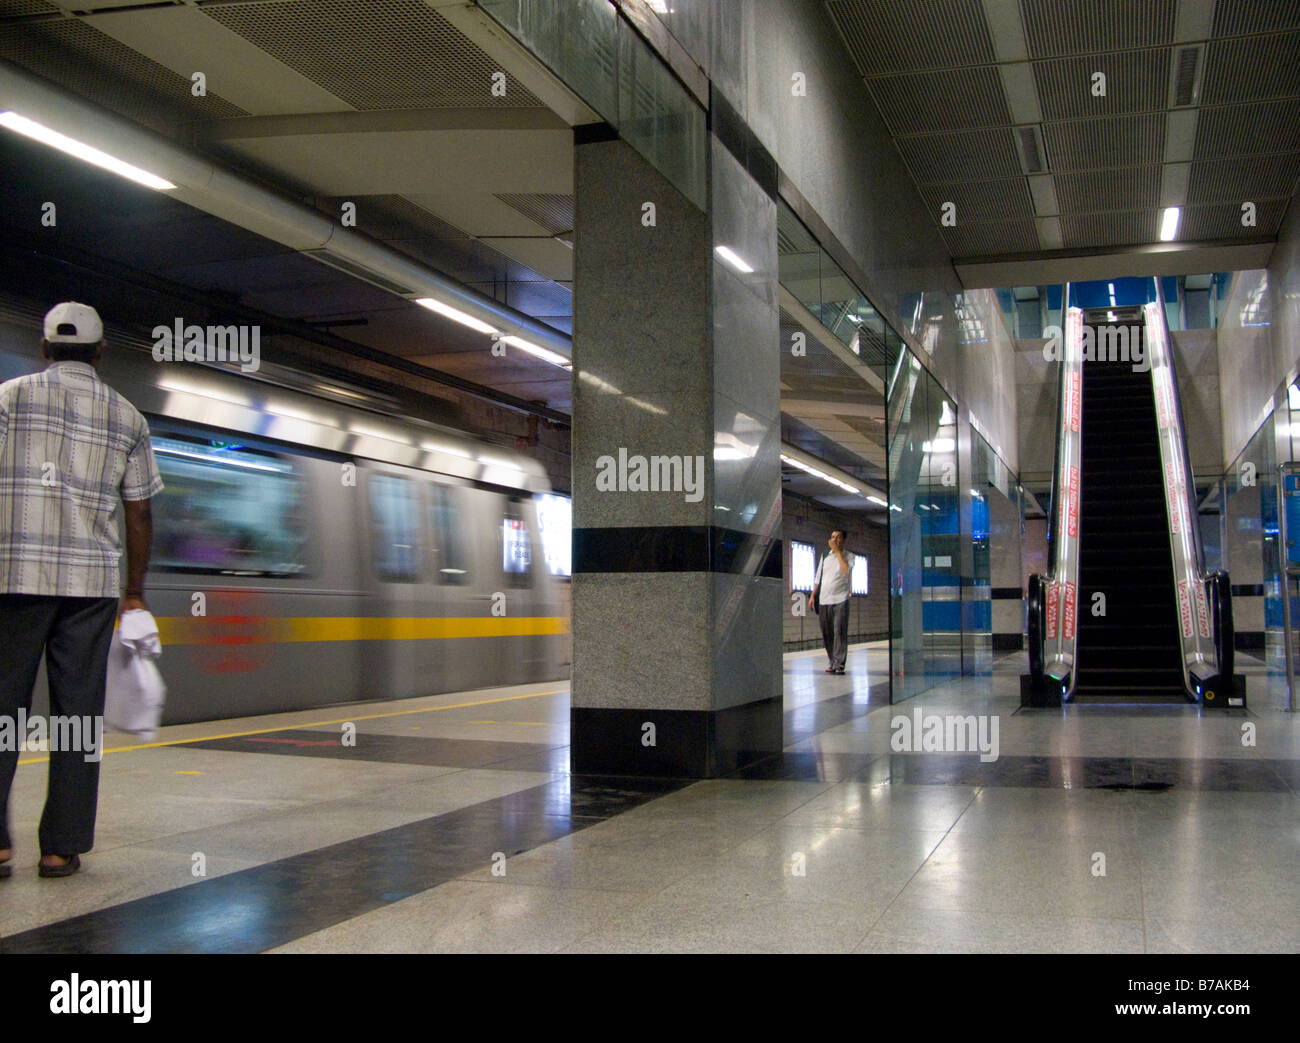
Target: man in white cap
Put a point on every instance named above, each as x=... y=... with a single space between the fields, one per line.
x=71 y=448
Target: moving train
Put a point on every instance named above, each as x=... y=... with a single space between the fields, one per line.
x=310 y=550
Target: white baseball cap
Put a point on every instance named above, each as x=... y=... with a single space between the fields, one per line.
x=73 y=323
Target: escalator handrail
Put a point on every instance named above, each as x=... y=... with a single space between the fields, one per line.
x=1060 y=586
x=1201 y=651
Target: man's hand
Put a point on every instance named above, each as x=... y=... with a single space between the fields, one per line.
x=129 y=604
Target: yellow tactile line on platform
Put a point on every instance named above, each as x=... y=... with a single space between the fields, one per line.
x=320 y=724
x=187 y=630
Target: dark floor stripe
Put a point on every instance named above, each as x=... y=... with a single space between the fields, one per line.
x=803 y=722
x=1035 y=772
x=273 y=904
x=389 y=749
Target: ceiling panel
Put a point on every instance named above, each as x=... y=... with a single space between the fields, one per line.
x=1060 y=27
x=1116 y=141
x=989 y=238
x=1232 y=181
x=886 y=36
x=1236 y=17
x=1136 y=81
x=955 y=99
x=552 y=211
x=1119 y=228
x=1085 y=193
x=374 y=54
x=25 y=8
x=1223 y=221
x=85 y=61
x=391 y=217
x=1252 y=68
x=982 y=200
x=978 y=154
x=1244 y=130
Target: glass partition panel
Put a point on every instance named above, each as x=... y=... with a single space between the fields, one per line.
x=1251 y=552
x=925 y=539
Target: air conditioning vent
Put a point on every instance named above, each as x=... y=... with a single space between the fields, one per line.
x=1031 y=150
x=342 y=264
x=1187 y=67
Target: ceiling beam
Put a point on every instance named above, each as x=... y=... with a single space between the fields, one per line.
x=1156 y=259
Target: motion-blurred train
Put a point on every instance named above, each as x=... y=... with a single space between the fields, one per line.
x=307 y=551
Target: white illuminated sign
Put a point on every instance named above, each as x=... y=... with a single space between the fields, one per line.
x=803 y=566
x=860 y=574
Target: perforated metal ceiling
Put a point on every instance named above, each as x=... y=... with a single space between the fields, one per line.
x=75 y=55
x=374 y=54
x=956 y=112
x=552 y=211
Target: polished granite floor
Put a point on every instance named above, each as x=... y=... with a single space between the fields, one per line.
x=454 y=824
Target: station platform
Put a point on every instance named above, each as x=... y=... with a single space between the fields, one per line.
x=454 y=825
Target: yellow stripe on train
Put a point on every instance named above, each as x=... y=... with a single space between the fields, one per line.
x=245 y=630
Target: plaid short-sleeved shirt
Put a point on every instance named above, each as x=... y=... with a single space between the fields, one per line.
x=70 y=448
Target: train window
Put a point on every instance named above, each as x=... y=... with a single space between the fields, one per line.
x=516 y=549
x=394 y=518
x=451 y=558
x=227 y=509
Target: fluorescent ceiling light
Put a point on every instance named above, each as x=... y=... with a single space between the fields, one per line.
x=728 y=452
x=82 y=151
x=544 y=354
x=1169 y=224
x=732 y=258
x=823 y=476
x=455 y=314
x=877 y=500
x=939 y=445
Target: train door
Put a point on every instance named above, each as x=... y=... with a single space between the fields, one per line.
x=398 y=582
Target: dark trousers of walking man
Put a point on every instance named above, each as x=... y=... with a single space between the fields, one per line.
x=835 y=632
x=75 y=634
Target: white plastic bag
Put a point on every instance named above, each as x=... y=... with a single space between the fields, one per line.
x=135 y=692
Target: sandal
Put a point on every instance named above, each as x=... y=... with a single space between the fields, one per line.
x=6 y=870
x=67 y=869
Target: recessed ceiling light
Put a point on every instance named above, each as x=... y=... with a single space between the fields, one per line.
x=1169 y=224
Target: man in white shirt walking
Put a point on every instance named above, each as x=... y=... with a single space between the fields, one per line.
x=832 y=588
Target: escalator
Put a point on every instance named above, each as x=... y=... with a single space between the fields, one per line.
x=1128 y=638
x=1127 y=611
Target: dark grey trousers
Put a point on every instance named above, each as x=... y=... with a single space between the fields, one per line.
x=835 y=632
x=74 y=634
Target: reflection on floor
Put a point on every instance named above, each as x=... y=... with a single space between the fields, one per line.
x=453 y=824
